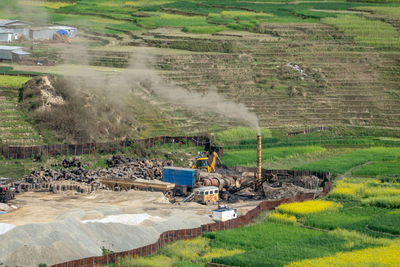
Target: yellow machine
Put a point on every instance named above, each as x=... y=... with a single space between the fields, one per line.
x=207 y=164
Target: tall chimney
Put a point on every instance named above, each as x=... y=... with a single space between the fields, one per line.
x=258 y=175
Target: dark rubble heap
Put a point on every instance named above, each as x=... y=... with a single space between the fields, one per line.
x=73 y=176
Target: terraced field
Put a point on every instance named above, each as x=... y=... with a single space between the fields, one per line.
x=293 y=64
x=14 y=128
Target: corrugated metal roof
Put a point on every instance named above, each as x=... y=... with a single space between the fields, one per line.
x=5 y=47
x=20 y=53
x=7 y=21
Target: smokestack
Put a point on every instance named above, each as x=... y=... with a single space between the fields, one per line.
x=258 y=174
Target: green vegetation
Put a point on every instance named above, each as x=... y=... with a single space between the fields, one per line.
x=391 y=12
x=367 y=32
x=282 y=244
x=239 y=134
x=4 y=70
x=388 y=223
x=249 y=157
x=7 y=81
x=203 y=29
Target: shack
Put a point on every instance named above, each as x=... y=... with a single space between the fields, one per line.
x=21 y=29
x=41 y=33
x=16 y=27
x=6 y=36
x=12 y=53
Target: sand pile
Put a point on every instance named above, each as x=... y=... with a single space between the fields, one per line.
x=70 y=237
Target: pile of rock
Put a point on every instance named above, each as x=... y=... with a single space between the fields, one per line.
x=86 y=181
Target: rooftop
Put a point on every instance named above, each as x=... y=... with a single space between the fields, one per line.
x=206 y=188
x=4 y=22
x=6 y=47
x=21 y=53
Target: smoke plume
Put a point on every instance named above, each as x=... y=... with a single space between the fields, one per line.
x=211 y=102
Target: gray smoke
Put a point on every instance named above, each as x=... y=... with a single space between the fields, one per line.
x=213 y=102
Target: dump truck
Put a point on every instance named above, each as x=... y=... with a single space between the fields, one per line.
x=6 y=190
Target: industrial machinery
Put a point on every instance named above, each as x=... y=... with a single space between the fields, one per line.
x=208 y=195
x=6 y=191
x=206 y=163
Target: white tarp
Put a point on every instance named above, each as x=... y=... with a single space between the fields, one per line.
x=5 y=227
x=128 y=219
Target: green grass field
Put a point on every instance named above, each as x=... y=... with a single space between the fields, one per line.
x=115 y=17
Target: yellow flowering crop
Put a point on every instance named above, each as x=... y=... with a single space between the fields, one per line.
x=380 y=191
x=308 y=207
x=235 y=14
x=346 y=190
x=54 y=5
x=143 y=3
x=282 y=218
x=380 y=256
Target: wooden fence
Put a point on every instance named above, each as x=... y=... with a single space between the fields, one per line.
x=26 y=152
x=174 y=235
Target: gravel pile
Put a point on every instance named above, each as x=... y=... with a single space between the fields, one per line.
x=69 y=238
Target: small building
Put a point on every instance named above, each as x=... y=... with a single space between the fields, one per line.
x=6 y=36
x=18 y=28
x=12 y=53
x=41 y=33
x=21 y=29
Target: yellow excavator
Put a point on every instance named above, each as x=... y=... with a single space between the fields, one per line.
x=206 y=163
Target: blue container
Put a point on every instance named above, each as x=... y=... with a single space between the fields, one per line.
x=180 y=176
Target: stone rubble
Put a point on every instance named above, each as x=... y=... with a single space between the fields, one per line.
x=72 y=175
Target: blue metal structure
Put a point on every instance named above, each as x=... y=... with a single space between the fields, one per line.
x=180 y=176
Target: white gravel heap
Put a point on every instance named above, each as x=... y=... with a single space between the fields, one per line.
x=69 y=238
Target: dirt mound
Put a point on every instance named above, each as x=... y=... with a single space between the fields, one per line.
x=70 y=112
